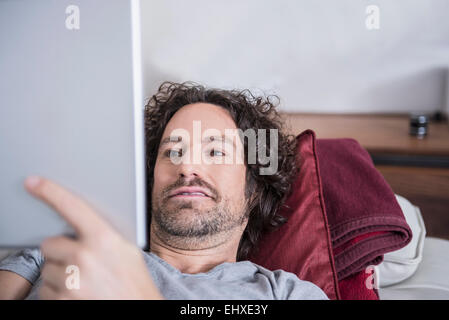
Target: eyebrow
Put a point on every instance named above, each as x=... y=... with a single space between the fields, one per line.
x=173 y=139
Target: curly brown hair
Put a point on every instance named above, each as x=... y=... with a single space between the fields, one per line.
x=268 y=192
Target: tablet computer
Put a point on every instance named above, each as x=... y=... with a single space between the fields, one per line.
x=71 y=110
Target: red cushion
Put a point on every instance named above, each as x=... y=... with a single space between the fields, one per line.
x=302 y=245
x=360 y=285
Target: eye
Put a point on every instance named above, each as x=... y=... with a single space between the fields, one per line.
x=173 y=153
x=215 y=152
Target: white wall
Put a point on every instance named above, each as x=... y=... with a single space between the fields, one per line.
x=317 y=55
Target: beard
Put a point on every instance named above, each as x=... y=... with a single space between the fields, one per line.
x=186 y=221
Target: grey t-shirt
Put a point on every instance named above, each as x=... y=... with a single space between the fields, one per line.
x=239 y=280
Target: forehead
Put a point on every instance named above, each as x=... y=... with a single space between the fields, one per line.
x=210 y=115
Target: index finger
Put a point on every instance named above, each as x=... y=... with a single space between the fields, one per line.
x=70 y=207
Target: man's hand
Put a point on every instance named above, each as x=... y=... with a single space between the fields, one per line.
x=109 y=266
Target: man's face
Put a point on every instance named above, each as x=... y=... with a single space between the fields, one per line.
x=198 y=194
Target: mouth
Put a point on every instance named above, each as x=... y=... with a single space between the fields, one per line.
x=189 y=196
x=190 y=193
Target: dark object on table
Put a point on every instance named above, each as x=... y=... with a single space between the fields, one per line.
x=418 y=125
x=438 y=116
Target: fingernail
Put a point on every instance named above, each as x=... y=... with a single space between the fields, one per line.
x=32 y=181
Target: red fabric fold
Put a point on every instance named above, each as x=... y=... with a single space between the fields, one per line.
x=359 y=205
x=360 y=285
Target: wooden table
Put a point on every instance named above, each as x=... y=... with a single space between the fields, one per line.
x=417 y=169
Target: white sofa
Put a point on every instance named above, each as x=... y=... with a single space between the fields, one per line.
x=419 y=270
x=429 y=281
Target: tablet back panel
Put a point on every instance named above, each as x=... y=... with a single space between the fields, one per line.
x=70 y=110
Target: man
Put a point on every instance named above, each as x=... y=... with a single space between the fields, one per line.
x=210 y=202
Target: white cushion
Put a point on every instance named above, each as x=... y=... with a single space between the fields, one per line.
x=402 y=264
x=430 y=281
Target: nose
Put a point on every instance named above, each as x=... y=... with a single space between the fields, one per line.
x=187 y=175
x=192 y=175
x=188 y=171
